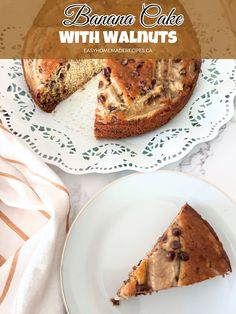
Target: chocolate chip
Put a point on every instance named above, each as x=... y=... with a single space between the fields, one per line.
x=170 y=255
x=62 y=76
x=149 y=101
x=143 y=289
x=183 y=256
x=101 y=99
x=176 y=232
x=68 y=66
x=107 y=72
x=135 y=73
x=142 y=92
x=139 y=64
x=115 y=302
x=124 y=61
x=111 y=107
x=177 y=60
x=175 y=245
x=153 y=82
x=100 y=84
x=157 y=97
x=142 y=83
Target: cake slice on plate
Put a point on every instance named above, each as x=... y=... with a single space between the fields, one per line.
x=188 y=252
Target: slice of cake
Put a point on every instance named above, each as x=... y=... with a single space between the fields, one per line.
x=188 y=252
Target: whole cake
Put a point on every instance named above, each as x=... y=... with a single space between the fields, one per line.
x=134 y=96
x=187 y=253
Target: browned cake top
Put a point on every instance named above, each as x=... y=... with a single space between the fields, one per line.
x=131 y=89
x=130 y=77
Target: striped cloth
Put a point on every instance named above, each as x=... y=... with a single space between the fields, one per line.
x=34 y=206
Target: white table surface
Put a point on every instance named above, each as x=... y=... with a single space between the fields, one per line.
x=215 y=161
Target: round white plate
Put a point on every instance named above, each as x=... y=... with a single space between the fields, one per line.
x=121 y=224
x=65 y=137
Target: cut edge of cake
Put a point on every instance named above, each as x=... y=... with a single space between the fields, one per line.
x=52 y=80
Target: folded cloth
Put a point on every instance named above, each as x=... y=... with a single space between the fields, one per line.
x=34 y=206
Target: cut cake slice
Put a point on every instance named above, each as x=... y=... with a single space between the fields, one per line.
x=187 y=253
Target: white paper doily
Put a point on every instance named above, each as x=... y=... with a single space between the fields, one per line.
x=65 y=137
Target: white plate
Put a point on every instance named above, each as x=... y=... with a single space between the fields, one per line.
x=117 y=228
x=65 y=137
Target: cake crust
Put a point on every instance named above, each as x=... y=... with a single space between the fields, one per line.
x=200 y=268
x=127 y=128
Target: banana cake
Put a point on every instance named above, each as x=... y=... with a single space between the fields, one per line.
x=134 y=96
